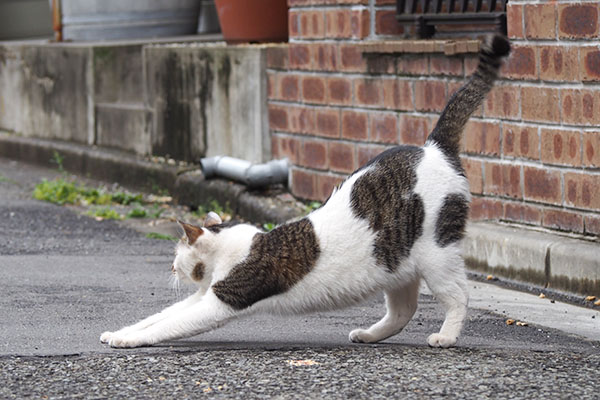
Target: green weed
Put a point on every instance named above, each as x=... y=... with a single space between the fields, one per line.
x=313 y=205
x=161 y=236
x=105 y=212
x=57 y=191
x=137 y=212
x=269 y=226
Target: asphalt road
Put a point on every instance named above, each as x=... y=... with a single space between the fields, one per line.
x=65 y=278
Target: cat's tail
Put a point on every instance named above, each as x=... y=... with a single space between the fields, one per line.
x=448 y=130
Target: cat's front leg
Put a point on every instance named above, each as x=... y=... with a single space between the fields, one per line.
x=204 y=316
x=177 y=307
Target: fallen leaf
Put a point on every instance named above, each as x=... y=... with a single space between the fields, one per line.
x=301 y=363
x=490 y=277
x=590 y=298
x=597 y=303
x=542 y=296
x=510 y=321
x=207 y=390
x=521 y=323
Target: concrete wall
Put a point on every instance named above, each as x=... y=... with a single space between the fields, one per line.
x=181 y=100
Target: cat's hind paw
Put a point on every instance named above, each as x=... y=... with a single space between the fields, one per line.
x=361 y=336
x=105 y=337
x=127 y=341
x=439 y=340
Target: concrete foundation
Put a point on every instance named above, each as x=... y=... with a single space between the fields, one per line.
x=182 y=100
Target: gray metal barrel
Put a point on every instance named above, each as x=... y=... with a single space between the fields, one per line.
x=88 y=20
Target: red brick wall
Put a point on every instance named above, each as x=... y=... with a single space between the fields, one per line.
x=339 y=94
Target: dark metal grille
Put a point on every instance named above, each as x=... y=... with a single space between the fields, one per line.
x=426 y=14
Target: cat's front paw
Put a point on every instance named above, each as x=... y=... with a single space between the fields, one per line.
x=127 y=341
x=438 y=340
x=105 y=337
x=361 y=336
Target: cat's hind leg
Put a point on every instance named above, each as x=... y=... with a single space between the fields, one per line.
x=401 y=305
x=445 y=277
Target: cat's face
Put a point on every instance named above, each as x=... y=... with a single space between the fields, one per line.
x=194 y=254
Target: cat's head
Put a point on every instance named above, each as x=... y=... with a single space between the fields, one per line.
x=202 y=248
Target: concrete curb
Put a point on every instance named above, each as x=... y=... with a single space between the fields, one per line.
x=545 y=259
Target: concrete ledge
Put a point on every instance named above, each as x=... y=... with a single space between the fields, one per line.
x=543 y=258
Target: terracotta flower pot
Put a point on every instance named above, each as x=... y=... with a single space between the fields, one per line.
x=253 y=20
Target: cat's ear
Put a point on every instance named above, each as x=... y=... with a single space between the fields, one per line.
x=192 y=232
x=212 y=218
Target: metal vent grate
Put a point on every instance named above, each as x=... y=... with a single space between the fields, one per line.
x=426 y=14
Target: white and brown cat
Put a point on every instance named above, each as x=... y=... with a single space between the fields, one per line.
x=393 y=222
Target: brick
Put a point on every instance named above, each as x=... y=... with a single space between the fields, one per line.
x=272 y=86
x=563 y=220
x=591 y=149
x=277 y=57
x=304 y=184
x=341 y=157
x=294 y=24
x=325 y=57
x=386 y=23
x=289 y=88
x=360 y=23
x=580 y=106
x=521 y=64
x=326 y=184
x=502 y=179
x=503 y=102
x=312 y=24
x=354 y=125
x=430 y=95
x=540 y=21
x=397 y=95
x=446 y=65
x=313 y=89
x=414 y=129
x=381 y=64
x=413 y=65
x=485 y=209
x=521 y=141
x=368 y=92
x=514 y=21
x=366 y=152
x=339 y=91
x=471 y=63
x=278 y=118
x=542 y=184
x=540 y=104
x=287 y=146
x=384 y=127
x=482 y=138
x=338 y=23
x=299 y=56
x=301 y=120
x=519 y=212
x=327 y=123
x=474 y=171
x=582 y=190
x=314 y=154
x=351 y=59
x=591 y=224
x=578 y=20
x=561 y=147
x=589 y=63
x=559 y=63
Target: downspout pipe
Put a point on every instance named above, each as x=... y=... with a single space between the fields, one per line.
x=252 y=175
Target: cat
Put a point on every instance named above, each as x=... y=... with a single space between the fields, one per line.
x=396 y=220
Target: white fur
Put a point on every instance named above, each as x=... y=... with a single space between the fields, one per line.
x=345 y=273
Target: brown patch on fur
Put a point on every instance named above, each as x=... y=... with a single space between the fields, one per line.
x=198 y=271
x=384 y=196
x=277 y=261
